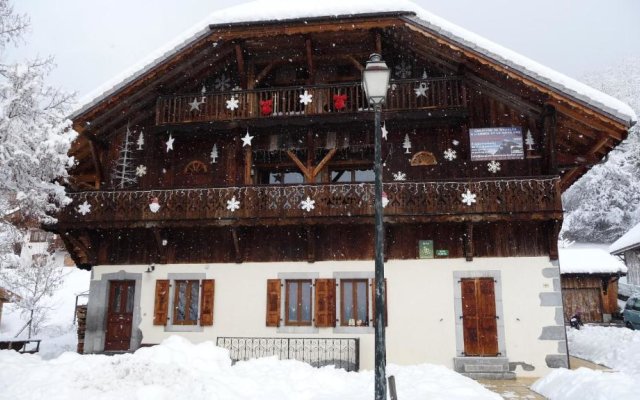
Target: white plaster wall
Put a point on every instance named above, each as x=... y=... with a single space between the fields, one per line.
x=420 y=305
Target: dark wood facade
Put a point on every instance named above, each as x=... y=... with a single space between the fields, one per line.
x=591 y=294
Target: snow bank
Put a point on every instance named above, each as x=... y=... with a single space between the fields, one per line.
x=589 y=259
x=179 y=369
x=587 y=384
x=629 y=239
x=617 y=348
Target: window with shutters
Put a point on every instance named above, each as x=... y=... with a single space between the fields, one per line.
x=354 y=296
x=185 y=302
x=298 y=302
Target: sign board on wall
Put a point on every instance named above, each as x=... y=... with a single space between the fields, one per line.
x=425 y=248
x=504 y=143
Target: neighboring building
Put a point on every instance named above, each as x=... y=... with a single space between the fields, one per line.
x=223 y=191
x=39 y=243
x=6 y=297
x=628 y=247
x=589 y=277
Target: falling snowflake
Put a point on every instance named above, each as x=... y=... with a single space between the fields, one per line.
x=233 y=204
x=306 y=98
x=84 y=208
x=222 y=83
x=403 y=70
x=141 y=170
x=450 y=154
x=455 y=142
x=232 y=104
x=308 y=204
x=468 y=198
x=400 y=176
x=421 y=90
x=493 y=166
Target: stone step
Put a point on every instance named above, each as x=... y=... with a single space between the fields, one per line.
x=490 y=375
x=481 y=364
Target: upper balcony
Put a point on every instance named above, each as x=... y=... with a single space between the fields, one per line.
x=491 y=199
x=446 y=93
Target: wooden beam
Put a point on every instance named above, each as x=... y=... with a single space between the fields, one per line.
x=265 y=71
x=99 y=177
x=602 y=142
x=324 y=162
x=241 y=67
x=554 y=232
x=300 y=165
x=378 y=42
x=311 y=244
x=468 y=243
x=310 y=66
x=586 y=119
x=161 y=248
x=355 y=62
x=549 y=123
x=236 y=244
x=248 y=161
x=504 y=96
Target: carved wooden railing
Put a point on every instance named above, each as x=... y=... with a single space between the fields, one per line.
x=410 y=199
x=435 y=93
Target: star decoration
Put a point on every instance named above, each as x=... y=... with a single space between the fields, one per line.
x=195 y=105
x=232 y=104
x=246 y=140
x=308 y=204
x=493 y=166
x=170 y=143
x=84 y=208
x=306 y=98
x=468 y=198
x=421 y=90
x=385 y=132
x=233 y=204
x=450 y=154
x=141 y=170
x=400 y=176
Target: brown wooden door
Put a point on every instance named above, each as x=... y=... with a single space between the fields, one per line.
x=119 y=315
x=479 y=317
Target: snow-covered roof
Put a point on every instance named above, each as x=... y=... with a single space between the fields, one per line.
x=627 y=241
x=589 y=259
x=269 y=10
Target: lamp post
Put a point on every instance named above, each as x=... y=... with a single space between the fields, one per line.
x=375 y=81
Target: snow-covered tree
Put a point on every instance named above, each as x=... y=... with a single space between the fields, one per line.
x=605 y=202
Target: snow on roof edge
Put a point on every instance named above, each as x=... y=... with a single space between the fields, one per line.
x=589 y=259
x=337 y=8
x=627 y=241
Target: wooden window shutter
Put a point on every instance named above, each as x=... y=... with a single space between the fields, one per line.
x=373 y=302
x=273 y=302
x=161 y=304
x=206 y=306
x=325 y=307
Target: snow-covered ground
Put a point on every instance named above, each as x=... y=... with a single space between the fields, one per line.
x=617 y=348
x=58 y=333
x=180 y=369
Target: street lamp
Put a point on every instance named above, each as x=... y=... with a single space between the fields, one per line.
x=375 y=82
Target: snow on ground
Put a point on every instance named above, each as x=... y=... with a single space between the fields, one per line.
x=617 y=348
x=180 y=369
x=58 y=333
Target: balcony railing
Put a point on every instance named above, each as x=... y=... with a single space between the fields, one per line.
x=282 y=202
x=434 y=93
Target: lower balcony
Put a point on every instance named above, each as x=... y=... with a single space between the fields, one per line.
x=464 y=200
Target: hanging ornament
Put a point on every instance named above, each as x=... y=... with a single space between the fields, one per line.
x=468 y=198
x=266 y=107
x=455 y=142
x=384 y=199
x=424 y=73
x=406 y=144
x=450 y=154
x=339 y=101
x=529 y=140
x=403 y=70
x=306 y=98
x=140 y=141
x=84 y=208
x=399 y=176
x=421 y=90
x=232 y=103
x=233 y=204
x=222 y=83
x=195 y=105
x=493 y=166
x=246 y=140
x=141 y=170
x=169 y=143
x=154 y=205
x=308 y=204
x=385 y=132
x=214 y=154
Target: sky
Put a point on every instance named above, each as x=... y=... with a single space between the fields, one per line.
x=93 y=41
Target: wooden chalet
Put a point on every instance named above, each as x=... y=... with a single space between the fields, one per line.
x=628 y=248
x=224 y=191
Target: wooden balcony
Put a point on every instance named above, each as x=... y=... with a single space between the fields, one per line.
x=439 y=94
x=497 y=199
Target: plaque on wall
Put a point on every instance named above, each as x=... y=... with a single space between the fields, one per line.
x=502 y=143
x=425 y=248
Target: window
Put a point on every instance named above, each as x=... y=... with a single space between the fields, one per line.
x=353 y=175
x=298 y=302
x=354 y=302
x=185 y=302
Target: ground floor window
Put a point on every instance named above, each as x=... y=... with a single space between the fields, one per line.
x=298 y=302
x=355 y=302
x=185 y=302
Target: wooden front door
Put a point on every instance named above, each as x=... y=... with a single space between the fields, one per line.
x=119 y=315
x=479 y=318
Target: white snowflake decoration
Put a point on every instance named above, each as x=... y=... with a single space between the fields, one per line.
x=169 y=143
x=233 y=204
x=214 y=154
x=400 y=176
x=493 y=166
x=141 y=170
x=468 y=198
x=308 y=204
x=403 y=70
x=232 y=104
x=306 y=98
x=222 y=83
x=84 y=208
x=450 y=154
x=421 y=90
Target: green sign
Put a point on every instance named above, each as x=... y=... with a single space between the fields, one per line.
x=442 y=253
x=425 y=248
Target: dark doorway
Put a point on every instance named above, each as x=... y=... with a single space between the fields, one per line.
x=479 y=317
x=119 y=315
